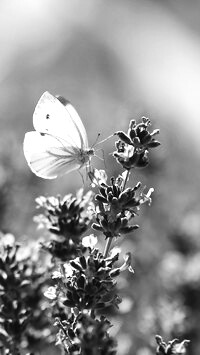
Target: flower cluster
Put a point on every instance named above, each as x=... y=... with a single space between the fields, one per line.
x=14 y=315
x=173 y=347
x=85 y=283
x=83 y=287
x=67 y=219
x=132 y=148
x=116 y=206
x=21 y=282
x=22 y=320
x=85 y=335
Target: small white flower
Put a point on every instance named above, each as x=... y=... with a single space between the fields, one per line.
x=98 y=177
x=89 y=241
x=181 y=348
x=56 y=275
x=151 y=190
x=40 y=200
x=7 y=239
x=68 y=270
x=146 y=197
x=51 y=293
x=127 y=263
x=114 y=251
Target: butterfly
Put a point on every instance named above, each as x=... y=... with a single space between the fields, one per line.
x=59 y=143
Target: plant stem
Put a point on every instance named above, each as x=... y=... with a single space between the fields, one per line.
x=107 y=247
x=126 y=179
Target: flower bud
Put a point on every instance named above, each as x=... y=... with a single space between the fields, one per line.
x=154 y=144
x=81 y=281
x=100 y=198
x=76 y=265
x=146 y=137
x=136 y=142
x=132 y=134
x=83 y=262
x=128 y=229
x=143 y=160
x=124 y=137
x=97 y=227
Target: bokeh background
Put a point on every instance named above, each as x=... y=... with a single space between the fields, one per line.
x=115 y=60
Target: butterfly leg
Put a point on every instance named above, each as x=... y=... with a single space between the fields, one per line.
x=103 y=159
x=82 y=177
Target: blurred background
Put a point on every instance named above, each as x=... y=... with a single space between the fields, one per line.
x=115 y=60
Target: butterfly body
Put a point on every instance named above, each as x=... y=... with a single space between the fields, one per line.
x=59 y=143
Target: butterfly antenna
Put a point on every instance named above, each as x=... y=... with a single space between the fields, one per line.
x=104 y=140
x=96 y=140
x=82 y=178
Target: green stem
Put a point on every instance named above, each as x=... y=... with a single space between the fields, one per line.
x=107 y=247
x=126 y=179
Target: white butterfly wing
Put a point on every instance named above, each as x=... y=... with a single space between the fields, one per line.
x=49 y=156
x=60 y=120
x=71 y=111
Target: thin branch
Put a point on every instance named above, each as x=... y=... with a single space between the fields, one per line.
x=126 y=178
x=107 y=247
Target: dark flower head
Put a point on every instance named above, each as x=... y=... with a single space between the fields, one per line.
x=86 y=335
x=116 y=206
x=173 y=347
x=22 y=278
x=132 y=148
x=67 y=219
x=68 y=216
x=87 y=282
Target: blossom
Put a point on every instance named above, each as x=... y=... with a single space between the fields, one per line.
x=68 y=269
x=132 y=148
x=117 y=206
x=51 y=293
x=97 y=177
x=67 y=219
x=89 y=241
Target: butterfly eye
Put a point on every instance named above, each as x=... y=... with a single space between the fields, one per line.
x=42 y=134
x=90 y=151
x=47 y=116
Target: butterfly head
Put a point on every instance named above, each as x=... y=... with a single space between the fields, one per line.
x=90 y=152
x=84 y=156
